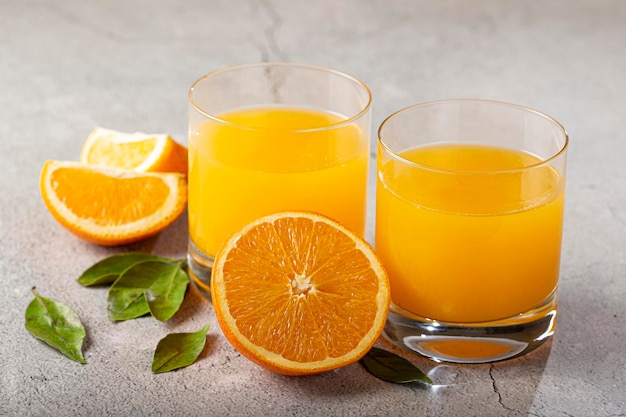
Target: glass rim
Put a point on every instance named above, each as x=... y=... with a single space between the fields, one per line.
x=349 y=120
x=543 y=162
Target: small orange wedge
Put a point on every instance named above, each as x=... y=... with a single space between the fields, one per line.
x=136 y=151
x=111 y=206
x=298 y=293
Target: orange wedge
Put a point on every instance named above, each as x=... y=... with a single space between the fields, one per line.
x=111 y=206
x=136 y=151
x=298 y=293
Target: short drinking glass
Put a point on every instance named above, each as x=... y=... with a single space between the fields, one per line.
x=272 y=137
x=469 y=214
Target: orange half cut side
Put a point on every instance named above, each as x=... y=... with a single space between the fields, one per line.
x=298 y=293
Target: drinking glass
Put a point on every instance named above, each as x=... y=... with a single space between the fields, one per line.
x=469 y=214
x=272 y=137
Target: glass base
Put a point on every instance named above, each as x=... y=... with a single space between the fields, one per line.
x=200 y=270
x=473 y=342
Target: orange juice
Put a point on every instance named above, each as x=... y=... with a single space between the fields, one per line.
x=461 y=244
x=259 y=161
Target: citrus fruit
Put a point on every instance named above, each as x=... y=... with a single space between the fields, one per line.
x=110 y=206
x=298 y=293
x=137 y=151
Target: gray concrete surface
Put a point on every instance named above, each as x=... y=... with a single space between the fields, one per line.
x=67 y=66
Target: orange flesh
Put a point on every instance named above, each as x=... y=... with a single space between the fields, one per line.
x=127 y=155
x=314 y=289
x=77 y=190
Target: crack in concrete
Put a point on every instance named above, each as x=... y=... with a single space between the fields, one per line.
x=496 y=390
x=270 y=32
x=616 y=215
x=543 y=414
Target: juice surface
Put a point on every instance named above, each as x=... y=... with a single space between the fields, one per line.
x=274 y=159
x=463 y=245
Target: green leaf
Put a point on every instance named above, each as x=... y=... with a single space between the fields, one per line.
x=109 y=269
x=57 y=325
x=392 y=368
x=160 y=284
x=126 y=299
x=167 y=292
x=177 y=350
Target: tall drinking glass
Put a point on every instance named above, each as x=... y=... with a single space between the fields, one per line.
x=271 y=137
x=469 y=214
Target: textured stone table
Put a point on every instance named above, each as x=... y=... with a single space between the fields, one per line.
x=67 y=66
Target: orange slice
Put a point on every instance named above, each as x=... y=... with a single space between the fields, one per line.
x=137 y=151
x=111 y=206
x=298 y=293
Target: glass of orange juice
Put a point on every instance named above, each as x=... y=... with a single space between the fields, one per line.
x=271 y=137
x=469 y=215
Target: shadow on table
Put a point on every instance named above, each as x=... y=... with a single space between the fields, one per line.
x=171 y=242
x=499 y=388
x=508 y=386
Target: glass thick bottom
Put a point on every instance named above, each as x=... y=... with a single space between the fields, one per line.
x=472 y=342
x=200 y=266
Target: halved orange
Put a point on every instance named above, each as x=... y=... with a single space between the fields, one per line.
x=137 y=151
x=298 y=293
x=111 y=206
